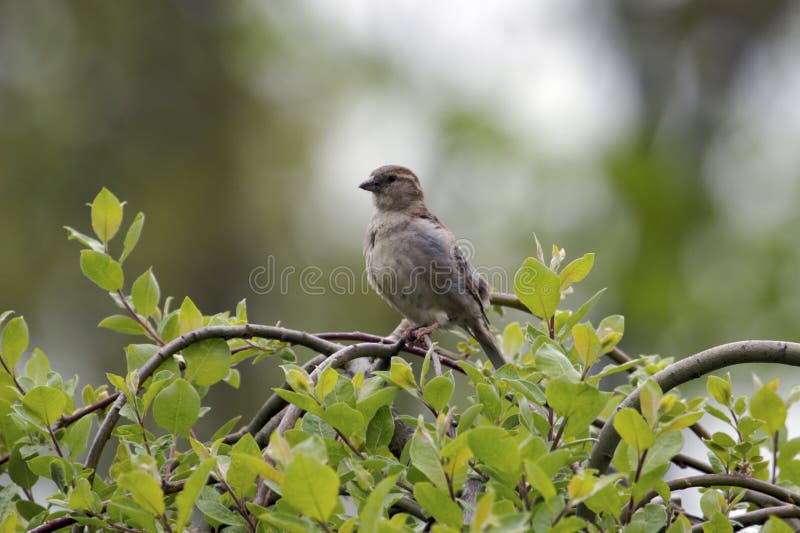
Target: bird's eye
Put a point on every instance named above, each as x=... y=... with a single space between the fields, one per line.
x=391 y=179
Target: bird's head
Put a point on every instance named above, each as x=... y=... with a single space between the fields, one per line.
x=394 y=188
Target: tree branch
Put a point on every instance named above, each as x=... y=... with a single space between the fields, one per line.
x=758 y=517
x=688 y=369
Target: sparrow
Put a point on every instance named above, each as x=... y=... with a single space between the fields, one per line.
x=414 y=263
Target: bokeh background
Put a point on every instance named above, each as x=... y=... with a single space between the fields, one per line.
x=661 y=134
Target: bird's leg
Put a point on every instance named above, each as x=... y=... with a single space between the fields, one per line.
x=415 y=335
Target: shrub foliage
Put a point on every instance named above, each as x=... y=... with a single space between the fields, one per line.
x=537 y=445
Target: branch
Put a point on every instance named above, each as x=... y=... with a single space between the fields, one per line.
x=758 y=517
x=176 y=345
x=688 y=369
x=728 y=480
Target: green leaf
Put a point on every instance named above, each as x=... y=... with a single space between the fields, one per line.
x=586 y=343
x=425 y=458
x=401 y=374
x=77 y=436
x=666 y=446
x=189 y=317
x=438 y=391
x=326 y=383
x=683 y=421
x=497 y=448
x=346 y=419
x=650 y=398
x=207 y=362
x=15 y=341
x=106 y=215
x=374 y=508
x=132 y=236
x=633 y=429
x=38 y=367
x=177 y=407
x=680 y=525
x=718 y=523
x=81 y=498
x=578 y=315
x=122 y=324
x=513 y=339
x=776 y=525
x=45 y=403
x=311 y=487
x=580 y=403
x=304 y=402
x=540 y=481
x=214 y=510
x=124 y=510
x=438 y=503
x=766 y=405
x=145 y=490
x=240 y=475
x=538 y=288
x=146 y=293
x=380 y=429
x=102 y=270
x=370 y=404
x=18 y=470
x=720 y=389
x=75 y=235
x=610 y=332
x=550 y=361
x=576 y=271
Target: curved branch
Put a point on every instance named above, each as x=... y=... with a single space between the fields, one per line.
x=728 y=480
x=245 y=331
x=691 y=368
x=338 y=359
x=758 y=517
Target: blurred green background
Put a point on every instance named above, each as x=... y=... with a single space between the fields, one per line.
x=661 y=134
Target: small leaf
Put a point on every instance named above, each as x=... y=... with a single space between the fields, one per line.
x=576 y=270
x=766 y=405
x=438 y=503
x=650 y=398
x=75 y=235
x=425 y=457
x=132 y=236
x=438 y=392
x=102 y=270
x=191 y=491
x=513 y=339
x=146 y=293
x=189 y=317
x=177 y=407
x=145 y=491
x=586 y=343
x=380 y=429
x=374 y=508
x=497 y=448
x=106 y=215
x=346 y=419
x=207 y=362
x=15 y=341
x=122 y=324
x=311 y=487
x=633 y=429
x=538 y=288
x=45 y=403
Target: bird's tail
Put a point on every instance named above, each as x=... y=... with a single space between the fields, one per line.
x=488 y=342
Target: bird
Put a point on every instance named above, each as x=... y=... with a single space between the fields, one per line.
x=415 y=264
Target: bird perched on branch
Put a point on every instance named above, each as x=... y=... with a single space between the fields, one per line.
x=415 y=264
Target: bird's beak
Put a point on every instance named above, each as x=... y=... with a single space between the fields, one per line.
x=369 y=185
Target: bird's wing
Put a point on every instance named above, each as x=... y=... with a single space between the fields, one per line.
x=474 y=284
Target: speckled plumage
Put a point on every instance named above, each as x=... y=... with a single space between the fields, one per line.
x=415 y=264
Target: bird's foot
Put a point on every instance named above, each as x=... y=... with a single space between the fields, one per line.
x=418 y=334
